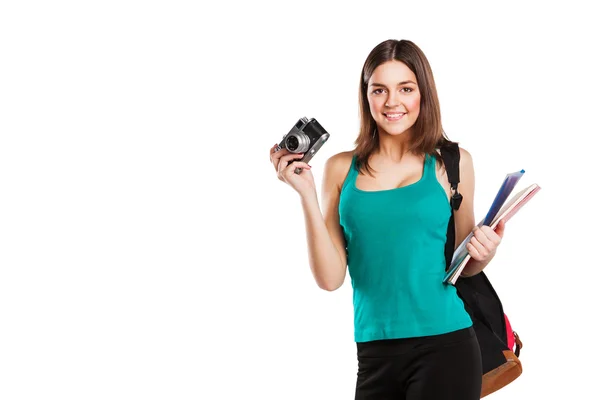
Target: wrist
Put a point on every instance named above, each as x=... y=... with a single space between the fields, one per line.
x=308 y=196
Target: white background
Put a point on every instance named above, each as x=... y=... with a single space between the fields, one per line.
x=147 y=249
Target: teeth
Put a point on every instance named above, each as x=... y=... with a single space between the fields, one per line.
x=394 y=115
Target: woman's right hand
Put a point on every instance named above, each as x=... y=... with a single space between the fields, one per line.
x=302 y=183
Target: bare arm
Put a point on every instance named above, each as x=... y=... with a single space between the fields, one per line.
x=325 y=239
x=326 y=244
x=464 y=217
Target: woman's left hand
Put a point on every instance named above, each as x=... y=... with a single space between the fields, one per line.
x=484 y=242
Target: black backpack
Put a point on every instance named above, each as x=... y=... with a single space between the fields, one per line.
x=500 y=345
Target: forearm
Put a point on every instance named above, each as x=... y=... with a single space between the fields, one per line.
x=474 y=267
x=325 y=261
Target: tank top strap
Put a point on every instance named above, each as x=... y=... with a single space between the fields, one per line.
x=352 y=172
x=429 y=168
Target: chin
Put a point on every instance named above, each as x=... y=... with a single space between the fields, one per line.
x=395 y=130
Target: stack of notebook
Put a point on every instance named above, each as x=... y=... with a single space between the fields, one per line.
x=500 y=209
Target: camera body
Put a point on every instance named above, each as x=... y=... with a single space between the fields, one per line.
x=306 y=136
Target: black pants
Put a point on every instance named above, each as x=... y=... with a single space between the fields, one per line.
x=440 y=367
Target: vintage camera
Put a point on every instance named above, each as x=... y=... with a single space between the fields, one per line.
x=306 y=136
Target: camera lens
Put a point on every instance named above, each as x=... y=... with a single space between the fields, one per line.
x=292 y=143
x=297 y=143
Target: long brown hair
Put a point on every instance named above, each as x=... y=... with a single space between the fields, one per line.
x=427 y=130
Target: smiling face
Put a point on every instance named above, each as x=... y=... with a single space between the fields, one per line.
x=394 y=97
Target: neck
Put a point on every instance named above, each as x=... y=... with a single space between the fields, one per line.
x=393 y=147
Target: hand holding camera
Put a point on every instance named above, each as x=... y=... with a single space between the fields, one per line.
x=291 y=156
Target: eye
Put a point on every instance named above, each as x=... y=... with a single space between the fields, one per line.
x=406 y=89
x=377 y=91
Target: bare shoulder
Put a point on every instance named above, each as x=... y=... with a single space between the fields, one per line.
x=466 y=172
x=340 y=160
x=337 y=167
x=465 y=157
x=466 y=166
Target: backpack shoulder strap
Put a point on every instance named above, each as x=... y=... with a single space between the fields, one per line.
x=451 y=158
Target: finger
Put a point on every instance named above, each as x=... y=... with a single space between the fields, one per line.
x=283 y=161
x=276 y=158
x=289 y=170
x=500 y=228
x=277 y=154
x=492 y=236
x=283 y=165
x=473 y=252
x=479 y=247
x=486 y=236
x=272 y=150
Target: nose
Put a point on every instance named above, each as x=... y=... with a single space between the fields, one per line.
x=392 y=100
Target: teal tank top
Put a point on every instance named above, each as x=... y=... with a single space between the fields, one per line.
x=395 y=243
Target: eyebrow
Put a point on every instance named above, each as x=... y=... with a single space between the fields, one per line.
x=399 y=83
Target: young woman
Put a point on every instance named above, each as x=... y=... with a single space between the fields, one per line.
x=386 y=207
